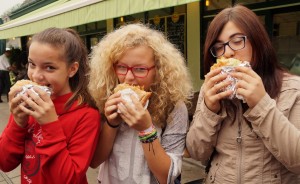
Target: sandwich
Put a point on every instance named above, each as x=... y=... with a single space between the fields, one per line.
x=138 y=91
x=227 y=66
x=28 y=85
x=24 y=82
x=221 y=62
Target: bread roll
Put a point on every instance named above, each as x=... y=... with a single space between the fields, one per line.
x=24 y=82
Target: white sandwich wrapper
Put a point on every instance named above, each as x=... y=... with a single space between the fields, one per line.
x=30 y=87
x=126 y=93
x=232 y=86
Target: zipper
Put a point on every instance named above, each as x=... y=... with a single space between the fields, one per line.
x=239 y=144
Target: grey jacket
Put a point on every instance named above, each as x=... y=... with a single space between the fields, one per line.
x=268 y=150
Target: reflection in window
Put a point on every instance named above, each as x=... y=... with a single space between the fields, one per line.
x=286 y=40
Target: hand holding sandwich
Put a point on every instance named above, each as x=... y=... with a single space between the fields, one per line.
x=20 y=117
x=33 y=101
x=128 y=103
x=224 y=82
x=214 y=82
x=135 y=116
x=249 y=85
x=111 y=108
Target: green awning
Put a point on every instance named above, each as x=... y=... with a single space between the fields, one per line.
x=69 y=13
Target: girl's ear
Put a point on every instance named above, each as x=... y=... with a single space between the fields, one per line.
x=73 y=69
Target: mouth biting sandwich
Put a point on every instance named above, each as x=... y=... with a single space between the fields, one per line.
x=126 y=90
x=221 y=62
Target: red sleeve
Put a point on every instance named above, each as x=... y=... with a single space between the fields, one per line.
x=12 y=142
x=68 y=162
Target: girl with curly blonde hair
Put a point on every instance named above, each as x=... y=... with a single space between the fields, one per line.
x=139 y=145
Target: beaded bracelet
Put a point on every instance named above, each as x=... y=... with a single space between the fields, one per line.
x=150 y=140
x=148 y=131
x=148 y=136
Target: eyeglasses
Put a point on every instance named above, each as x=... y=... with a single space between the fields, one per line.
x=137 y=71
x=236 y=43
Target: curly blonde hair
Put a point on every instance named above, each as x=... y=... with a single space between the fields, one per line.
x=172 y=80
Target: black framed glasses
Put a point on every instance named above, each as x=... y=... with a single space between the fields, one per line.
x=137 y=71
x=236 y=43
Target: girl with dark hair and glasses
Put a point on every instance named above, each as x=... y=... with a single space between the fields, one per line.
x=258 y=140
x=138 y=55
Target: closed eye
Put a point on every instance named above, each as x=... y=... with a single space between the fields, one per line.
x=139 y=69
x=121 y=67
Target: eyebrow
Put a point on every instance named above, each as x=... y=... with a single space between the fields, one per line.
x=231 y=36
x=47 y=63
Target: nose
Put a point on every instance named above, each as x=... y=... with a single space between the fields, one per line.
x=228 y=52
x=36 y=75
x=129 y=77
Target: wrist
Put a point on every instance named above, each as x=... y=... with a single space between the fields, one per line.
x=112 y=126
x=21 y=124
x=147 y=131
x=148 y=135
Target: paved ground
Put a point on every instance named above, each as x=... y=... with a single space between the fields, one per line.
x=192 y=170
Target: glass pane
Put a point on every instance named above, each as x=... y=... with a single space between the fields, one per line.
x=217 y=4
x=91 y=26
x=160 y=12
x=250 y=1
x=286 y=40
x=130 y=19
x=94 y=41
x=101 y=24
x=81 y=28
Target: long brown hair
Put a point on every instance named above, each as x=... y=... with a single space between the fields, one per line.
x=70 y=44
x=264 y=61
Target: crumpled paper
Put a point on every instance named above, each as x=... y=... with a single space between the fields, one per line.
x=232 y=86
x=30 y=87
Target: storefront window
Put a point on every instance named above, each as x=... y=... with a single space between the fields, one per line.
x=172 y=22
x=286 y=40
x=91 y=26
x=81 y=28
x=94 y=39
x=129 y=19
x=251 y=1
x=217 y=4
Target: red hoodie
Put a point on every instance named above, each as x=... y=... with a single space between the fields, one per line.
x=58 y=152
